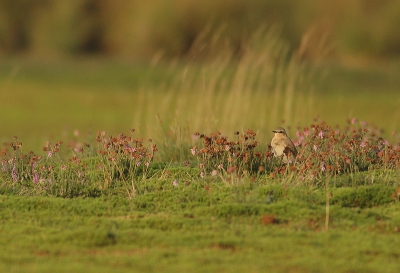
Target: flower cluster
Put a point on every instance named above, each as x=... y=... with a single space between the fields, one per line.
x=218 y=155
x=124 y=156
x=117 y=159
x=46 y=171
x=322 y=151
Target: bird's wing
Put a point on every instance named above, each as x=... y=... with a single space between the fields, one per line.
x=289 y=143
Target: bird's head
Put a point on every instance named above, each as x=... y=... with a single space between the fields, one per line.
x=279 y=131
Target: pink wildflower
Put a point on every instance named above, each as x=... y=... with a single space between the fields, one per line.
x=36 y=178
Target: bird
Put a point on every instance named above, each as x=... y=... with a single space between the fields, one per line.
x=283 y=146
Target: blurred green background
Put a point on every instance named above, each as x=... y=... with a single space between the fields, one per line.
x=172 y=67
x=141 y=29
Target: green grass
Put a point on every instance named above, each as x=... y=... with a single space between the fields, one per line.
x=169 y=219
x=189 y=228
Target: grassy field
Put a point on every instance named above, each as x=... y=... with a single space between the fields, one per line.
x=192 y=228
x=95 y=200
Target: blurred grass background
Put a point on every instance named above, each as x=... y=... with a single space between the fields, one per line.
x=172 y=67
x=141 y=29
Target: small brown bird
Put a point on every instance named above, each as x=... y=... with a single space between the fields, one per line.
x=283 y=146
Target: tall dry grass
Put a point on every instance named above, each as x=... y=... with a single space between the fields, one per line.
x=264 y=87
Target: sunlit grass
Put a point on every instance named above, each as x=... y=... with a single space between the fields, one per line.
x=199 y=229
